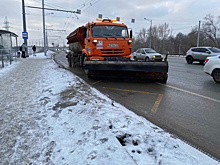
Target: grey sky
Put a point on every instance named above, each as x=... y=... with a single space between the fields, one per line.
x=181 y=15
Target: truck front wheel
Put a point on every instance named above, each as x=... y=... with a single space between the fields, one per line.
x=73 y=62
x=69 y=62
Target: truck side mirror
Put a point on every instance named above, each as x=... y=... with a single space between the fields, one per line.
x=84 y=32
x=130 y=33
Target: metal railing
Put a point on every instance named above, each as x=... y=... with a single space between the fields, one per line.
x=7 y=56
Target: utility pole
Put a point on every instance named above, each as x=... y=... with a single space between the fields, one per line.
x=45 y=51
x=24 y=26
x=150 y=32
x=198 y=34
x=43 y=14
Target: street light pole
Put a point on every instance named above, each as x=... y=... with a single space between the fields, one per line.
x=150 y=30
x=45 y=52
x=24 y=26
x=198 y=34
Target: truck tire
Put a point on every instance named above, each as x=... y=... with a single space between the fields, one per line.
x=68 y=56
x=74 y=61
x=69 y=61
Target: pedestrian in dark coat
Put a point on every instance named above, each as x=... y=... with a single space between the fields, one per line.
x=34 y=50
x=23 y=49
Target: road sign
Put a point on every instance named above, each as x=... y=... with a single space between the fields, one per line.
x=25 y=35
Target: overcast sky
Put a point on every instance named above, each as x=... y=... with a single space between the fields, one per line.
x=181 y=15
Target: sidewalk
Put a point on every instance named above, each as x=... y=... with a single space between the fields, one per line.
x=50 y=116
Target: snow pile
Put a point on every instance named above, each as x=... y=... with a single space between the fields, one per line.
x=79 y=125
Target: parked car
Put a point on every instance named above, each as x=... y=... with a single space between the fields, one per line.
x=212 y=67
x=147 y=54
x=200 y=54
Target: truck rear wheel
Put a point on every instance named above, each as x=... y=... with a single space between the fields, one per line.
x=73 y=62
x=69 y=62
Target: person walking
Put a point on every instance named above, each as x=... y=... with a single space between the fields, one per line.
x=34 y=50
x=23 y=48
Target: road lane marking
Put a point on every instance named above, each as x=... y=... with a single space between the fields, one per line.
x=157 y=103
x=192 y=93
x=126 y=90
x=97 y=82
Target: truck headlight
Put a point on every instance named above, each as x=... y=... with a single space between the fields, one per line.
x=94 y=41
x=95 y=59
x=129 y=41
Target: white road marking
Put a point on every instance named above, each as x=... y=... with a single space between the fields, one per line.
x=192 y=93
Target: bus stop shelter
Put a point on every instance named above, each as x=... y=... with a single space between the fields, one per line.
x=6 y=39
x=8 y=45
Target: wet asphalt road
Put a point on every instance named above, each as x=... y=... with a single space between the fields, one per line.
x=188 y=106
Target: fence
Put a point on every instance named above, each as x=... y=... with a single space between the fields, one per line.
x=7 y=56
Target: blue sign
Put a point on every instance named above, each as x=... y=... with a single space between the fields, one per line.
x=25 y=35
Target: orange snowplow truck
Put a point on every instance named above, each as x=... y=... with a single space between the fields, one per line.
x=103 y=50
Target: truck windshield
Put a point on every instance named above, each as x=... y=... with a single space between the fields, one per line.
x=107 y=31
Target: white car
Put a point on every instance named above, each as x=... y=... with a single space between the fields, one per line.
x=212 y=67
x=147 y=54
x=200 y=54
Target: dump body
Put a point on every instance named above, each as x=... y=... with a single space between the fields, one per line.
x=103 y=49
x=75 y=40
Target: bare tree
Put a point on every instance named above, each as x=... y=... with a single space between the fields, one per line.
x=211 y=28
x=164 y=41
x=142 y=36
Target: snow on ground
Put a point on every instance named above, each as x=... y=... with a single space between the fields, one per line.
x=51 y=116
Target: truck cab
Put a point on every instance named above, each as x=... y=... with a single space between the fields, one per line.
x=106 y=40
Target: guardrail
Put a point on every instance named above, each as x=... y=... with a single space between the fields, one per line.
x=7 y=56
x=175 y=54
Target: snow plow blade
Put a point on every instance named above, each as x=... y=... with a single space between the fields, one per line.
x=127 y=69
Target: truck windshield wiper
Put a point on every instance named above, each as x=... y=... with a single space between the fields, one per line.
x=110 y=35
x=107 y=34
x=97 y=35
x=117 y=35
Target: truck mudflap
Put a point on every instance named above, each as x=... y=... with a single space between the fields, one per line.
x=127 y=69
